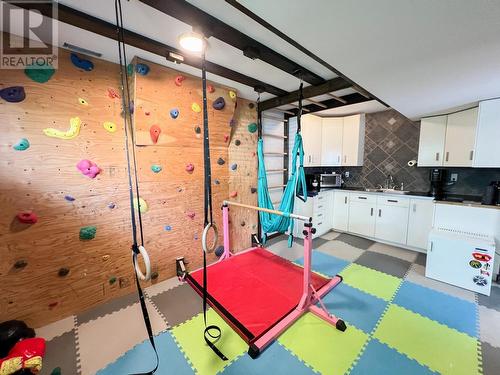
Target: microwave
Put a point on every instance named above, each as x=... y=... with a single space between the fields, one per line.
x=331 y=180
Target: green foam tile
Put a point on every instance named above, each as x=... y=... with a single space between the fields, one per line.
x=370 y=281
x=322 y=346
x=189 y=336
x=428 y=342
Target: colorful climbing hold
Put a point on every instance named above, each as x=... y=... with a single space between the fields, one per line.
x=154 y=132
x=252 y=128
x=251 y=105
x=142 y=69
x=88 y=232
x=234 y=166
x=113 y=94
x=253 y=190
x=109 y=126
x=237 y=142
x=21 y=145
x=195 y=237
x=88 y=168
x=13 y=94
x=40 y=74
x=232 y=94
x=130 y=69
x=69 y=198
x=20 y=264
x=216 y=182
x=105 y=258
x=226 y=137
x=197 y=130
x=112 y=280
x=219 y=103
x=174 y=113
x=63 y=271
x=189 y=167
x=221 y=161
x=167 y=228
x=156 y=168
x=210 y=89
x=52 y=305
x=154 y=275
x=232 y=122
x=83 y=102
x=242 y=223
x=27 y=217
x=111 y=205
x=233 y=194
x=56 y=371
x=141 y=205
x=196 y=107
x=178 y=80
x=219 y=251
x=82 y=63
x=191 y=214
x=147 y=113
x=72 y=132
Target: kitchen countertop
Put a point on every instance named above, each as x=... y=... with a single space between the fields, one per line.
x=469 y=204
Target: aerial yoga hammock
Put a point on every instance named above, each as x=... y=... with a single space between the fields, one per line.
x=295 y=187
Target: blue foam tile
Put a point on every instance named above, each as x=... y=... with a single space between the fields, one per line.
x=448 y=310
x=141 y=358
x=354 y=306
x=275 y=359
x=325 y=264
x=379 y=359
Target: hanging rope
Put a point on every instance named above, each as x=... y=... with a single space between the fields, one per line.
x=133 y=179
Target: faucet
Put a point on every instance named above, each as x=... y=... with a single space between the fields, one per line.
x=389 y=182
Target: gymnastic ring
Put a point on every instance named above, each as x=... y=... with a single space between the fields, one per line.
x=147 y=263
x=204 y=238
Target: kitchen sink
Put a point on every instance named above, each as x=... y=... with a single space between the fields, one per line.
x=387 y=191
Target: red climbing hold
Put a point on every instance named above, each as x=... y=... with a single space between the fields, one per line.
x=189 y=167
x=233 y=194
x=210 y=89
x=53 y=304
x=27 y=217
x=178 y=80
x=147 y=113
x=154 y=131
x=226 y=137
x=113 y=94
x=191 y=214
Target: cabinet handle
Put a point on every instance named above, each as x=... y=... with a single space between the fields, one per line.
x=345 y=199
x=338 y=159
x=371 y=211
x=319 y=215
x=437 y=156
x=309 y=158
x=471 y=154
x=392 y=200
x=432 y=245
x=414 y=207
x=320 y=223
x=361 y=197
x=320 y=206
x=379 y=213
x=320 y=198
x=345 y=158
x=447 y=155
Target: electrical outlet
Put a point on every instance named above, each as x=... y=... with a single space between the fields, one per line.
x=346 y=174
x=454 y=177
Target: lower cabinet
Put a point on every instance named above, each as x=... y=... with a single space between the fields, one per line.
x=391 y=223
x=362 y=218
x=340 y=213
x=419 y=222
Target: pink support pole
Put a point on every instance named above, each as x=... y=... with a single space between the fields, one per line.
x=306 y=291
x=225 y=230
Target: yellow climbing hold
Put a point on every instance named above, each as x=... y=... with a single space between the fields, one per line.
x=72 y=132
x=196 y=107
x=109 y=126
x=141 y=205
x=82 y=101
x=232 y=94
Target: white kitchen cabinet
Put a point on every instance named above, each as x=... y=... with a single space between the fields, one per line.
x=432 y=140
x=391 y=223
x=311 y=128
x=487 y=154
x=340 y=217
x=419 y=222
x=331 y=146
x=362 y=214
x=460 y=137
x=353 y=140
x=322 y=212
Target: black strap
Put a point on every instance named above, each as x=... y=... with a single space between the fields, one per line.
x=299 y=114
x=212 y=333
x=259 y=118
x=127 y=121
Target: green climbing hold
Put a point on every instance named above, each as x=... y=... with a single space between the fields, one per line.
x=252 y=128
x=130 y=69
x=56 y=371
x=22 y=145
x=112 y=280
x=88 y=233
x=154 y=275
x=40 y=74
x=156 y=168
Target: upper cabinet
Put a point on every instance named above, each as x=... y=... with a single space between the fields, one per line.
x=353 y=140
x=311 y=129
x=431 y=144
x=331 y=145
x=487 y=154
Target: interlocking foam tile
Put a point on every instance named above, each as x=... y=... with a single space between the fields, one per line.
x=341 y=250
x=189 y=336
x=384 y=263
x=451 y=311
x=492 y=301
x=330 y=235
x=325 y=264
x=491 y=359
x=162 y=286
x=323 y=347
x=430 y=343
x=275 y=359
x=393 y=251
x=354 y=306
x=55 y=329
x=141 y=359
x=359 y=242
x=379 y=359
x=489 y=321
x=61 y=352
x=281 y=248
x=370 y=281
x=109 y=307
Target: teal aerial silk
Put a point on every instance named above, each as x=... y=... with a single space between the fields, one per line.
x=296 y=186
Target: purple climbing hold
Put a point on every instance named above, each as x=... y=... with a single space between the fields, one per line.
x=111 y=205
x=13 y=94
x=221 y=161
x=69 y=198
x=219 y=103
x=81 y=63
x=234 y=166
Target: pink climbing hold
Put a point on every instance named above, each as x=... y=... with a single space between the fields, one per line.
x=226 y=137
x=88 y=168
x=210 y=89
x=178 y=80
x=191 y=214
x=113 y=94
x=233 y=194
x=189 y=167
x=154 y=132
x=27 y=217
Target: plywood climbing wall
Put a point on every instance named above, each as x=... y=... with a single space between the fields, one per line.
x=44 y=178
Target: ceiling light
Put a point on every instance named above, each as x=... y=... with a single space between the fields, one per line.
x=192 y=42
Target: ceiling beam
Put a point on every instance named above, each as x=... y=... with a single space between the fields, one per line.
x=211 y=26
x=333 y=103
x=93 y=24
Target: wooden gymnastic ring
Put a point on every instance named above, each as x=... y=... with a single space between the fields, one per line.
x=204 y=238
x=147 y=263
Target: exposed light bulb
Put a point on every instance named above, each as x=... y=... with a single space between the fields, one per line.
x=192 y=42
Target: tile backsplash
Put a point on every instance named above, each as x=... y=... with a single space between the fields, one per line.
x=391 y=140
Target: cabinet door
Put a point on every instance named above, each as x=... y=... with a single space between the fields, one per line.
x=331 y=142
x=419 y=222
x=311 y=135
x=353 y=140
x=391 y=223
x=487 y=135
x=362 y=218
x=340 y=217
x=431 y=143
x=460 y=137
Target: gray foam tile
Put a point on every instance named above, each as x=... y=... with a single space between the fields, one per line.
x=421 y=259
x=491 y=359
x=178 y=304
x=107 y=308
x=491 y=302
x=359 y=242
x=384 y=263
x=61 y=352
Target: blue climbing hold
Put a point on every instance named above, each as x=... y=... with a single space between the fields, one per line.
x=111 y=205
x=167 y=227
x=234 y=166
x=22 y=145
x=82 y=63
x=174 y=113
x=219 y=251
x=156 y=168
x=13 y=94
x=219 y=103
x=142 y=69
x=69 y=198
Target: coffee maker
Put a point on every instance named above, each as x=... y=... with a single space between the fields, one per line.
x=492 y=193
x=437 y=178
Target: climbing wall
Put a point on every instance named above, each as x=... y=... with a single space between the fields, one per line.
x=65 y=226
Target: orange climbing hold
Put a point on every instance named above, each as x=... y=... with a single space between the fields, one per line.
x=154 y=132
x=233 y=194
x=178 y=80
x=210 y=89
